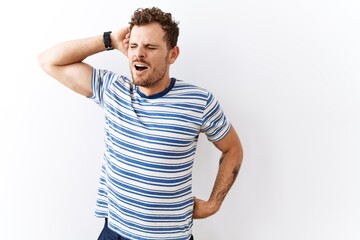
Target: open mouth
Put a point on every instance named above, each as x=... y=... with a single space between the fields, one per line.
x=140 y=67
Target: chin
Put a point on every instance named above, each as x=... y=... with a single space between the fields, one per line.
x=135 y=79
x=139 y=83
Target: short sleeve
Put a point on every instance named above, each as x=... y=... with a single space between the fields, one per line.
x=215 y=124
x=99 y=82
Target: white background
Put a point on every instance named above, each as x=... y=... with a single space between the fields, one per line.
x=286 y=73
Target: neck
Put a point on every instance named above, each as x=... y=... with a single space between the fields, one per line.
x=156 y=88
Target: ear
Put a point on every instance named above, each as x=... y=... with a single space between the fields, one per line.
x=174 y=53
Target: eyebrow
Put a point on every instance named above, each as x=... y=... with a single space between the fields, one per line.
x=146 y=45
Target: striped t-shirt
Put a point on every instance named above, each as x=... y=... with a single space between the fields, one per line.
x=145 y=187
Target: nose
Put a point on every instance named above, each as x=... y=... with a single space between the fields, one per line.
x=139 y=53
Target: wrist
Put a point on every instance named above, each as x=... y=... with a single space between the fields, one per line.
x=213 y=206
x=107 y=41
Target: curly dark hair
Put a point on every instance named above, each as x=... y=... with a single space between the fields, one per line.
x=144 y=16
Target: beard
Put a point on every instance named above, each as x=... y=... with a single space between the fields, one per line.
x=152 y=79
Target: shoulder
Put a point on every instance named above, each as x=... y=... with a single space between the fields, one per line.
x=190 y=90
x=110 y=77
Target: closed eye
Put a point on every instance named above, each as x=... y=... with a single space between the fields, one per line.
x=151 y=46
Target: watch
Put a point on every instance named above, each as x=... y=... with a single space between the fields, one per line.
x=107 y=41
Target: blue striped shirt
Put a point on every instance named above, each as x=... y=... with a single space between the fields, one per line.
x=145 y=186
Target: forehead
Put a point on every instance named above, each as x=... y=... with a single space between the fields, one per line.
x=150 y=33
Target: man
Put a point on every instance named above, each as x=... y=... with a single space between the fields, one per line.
x=152 y=124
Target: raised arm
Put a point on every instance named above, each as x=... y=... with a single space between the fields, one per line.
x=230 y=162
x=64 y=61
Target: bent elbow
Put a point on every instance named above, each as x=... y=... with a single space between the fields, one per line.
x=44 y=63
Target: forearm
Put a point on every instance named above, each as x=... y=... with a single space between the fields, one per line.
x=71 y=52
x=230 y=163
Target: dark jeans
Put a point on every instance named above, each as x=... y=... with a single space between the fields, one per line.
x=108 y=234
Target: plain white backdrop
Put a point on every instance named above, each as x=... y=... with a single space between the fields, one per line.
x=286 y=73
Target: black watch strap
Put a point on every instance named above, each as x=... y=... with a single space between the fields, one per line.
x=107 y=41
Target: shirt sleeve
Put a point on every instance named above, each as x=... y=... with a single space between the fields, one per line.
x=215 y=124
x=99 y=81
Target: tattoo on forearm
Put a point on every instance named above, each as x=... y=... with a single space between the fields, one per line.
x=221 y=159
x=229 y=182
x=236 y=171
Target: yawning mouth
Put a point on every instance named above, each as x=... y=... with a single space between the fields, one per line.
x=140 y=67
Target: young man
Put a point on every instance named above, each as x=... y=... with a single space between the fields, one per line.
x=152 y=124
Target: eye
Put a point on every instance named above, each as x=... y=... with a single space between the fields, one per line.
x=151 y=47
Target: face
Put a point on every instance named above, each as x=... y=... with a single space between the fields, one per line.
x=149 y=56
